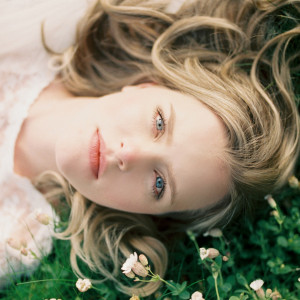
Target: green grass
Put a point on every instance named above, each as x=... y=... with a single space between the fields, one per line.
x=261 y=248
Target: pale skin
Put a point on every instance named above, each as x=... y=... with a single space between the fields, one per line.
x=163 y=149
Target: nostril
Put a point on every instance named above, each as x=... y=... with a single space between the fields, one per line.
x=121 y=163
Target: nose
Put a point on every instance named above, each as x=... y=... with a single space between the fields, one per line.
x=129 y=155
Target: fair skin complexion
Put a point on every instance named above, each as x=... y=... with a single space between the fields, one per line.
x=163 y=149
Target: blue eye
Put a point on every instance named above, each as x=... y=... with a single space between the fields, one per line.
x=159 y=122
x=159 y=186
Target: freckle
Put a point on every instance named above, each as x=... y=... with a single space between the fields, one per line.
x=122 y=145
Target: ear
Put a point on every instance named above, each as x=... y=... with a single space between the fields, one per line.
x=137 y=86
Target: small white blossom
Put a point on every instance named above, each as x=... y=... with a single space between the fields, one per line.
x=299 y=279
x=83 y=285
x=203 y=253
x=197 y=296
x=129 y=263
x=256 y=284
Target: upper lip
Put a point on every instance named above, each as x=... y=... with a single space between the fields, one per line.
x=102 y=159
x=94 y=153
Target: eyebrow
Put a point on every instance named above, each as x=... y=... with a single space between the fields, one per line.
x=171 y=177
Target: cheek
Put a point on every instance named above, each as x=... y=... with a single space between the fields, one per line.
x=122 y=192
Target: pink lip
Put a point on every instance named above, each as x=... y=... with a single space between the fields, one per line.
x=96 y=154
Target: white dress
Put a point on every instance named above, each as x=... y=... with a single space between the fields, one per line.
x=24 y=73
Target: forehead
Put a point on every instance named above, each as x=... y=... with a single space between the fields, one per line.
x=196 y=154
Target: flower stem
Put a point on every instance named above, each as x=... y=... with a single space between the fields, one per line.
x=44 y=280
x=216 y=287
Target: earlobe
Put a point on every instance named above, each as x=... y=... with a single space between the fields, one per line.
x=138 y=86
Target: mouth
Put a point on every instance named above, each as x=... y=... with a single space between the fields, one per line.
x=96 y=154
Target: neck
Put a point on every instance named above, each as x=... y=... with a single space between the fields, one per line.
x=35 y=145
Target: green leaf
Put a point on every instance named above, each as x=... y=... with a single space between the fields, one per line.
x=219 y=260
x=184 y=295
x=231 y=279
x=211 y=281
x=226 y=287
x=234 y=298
x=241 y=279
x=282 y=241
x=178 y=288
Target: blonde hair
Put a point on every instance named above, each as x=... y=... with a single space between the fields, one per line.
x=221 y=53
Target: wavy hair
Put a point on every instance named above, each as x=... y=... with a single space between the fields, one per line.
x=235 y=58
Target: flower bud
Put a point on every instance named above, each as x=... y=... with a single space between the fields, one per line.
x=213 y=253
x=225 y=258
x=271 y=201
x=24 y=251
x=134 y=297
x=16 y=244
x=268 y=293
x=293 y=182
x=260 y=293
x=139 y=269
x=274 y=213
x=275 y=295
x=130 y=274
x=42 y=218
x=143 y=259
x=214 y=232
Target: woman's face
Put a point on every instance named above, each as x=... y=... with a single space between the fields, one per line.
x=160 y=151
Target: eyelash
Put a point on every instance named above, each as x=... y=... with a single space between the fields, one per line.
x=155 y=193
x=158 y=112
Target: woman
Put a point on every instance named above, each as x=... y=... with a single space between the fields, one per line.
x=167 y=116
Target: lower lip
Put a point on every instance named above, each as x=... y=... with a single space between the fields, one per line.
x=96 y=154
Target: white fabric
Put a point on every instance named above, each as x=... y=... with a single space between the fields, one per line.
x=23 y=75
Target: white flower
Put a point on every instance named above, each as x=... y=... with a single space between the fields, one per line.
x=197 y=296
x=129 y=263
x=256 y=284
x=83 y=285
x=299 y=279
x=203 y=253
x=214 y=232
